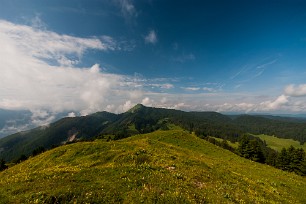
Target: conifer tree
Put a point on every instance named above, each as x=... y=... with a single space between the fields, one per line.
x=3 y=166
x=282 y=161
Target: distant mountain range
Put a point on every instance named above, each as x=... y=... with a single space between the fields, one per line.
x=13 y=121
x=141 y=119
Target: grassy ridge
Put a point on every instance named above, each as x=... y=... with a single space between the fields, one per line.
x=161 y=167
x=278 y=143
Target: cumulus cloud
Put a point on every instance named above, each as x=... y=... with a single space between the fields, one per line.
x=71 y=115
x=43 y=44
x=38 y=73
x=126 y=106
x=180 y=106
x=280 y=104
x=151 y=37
x=147 y=102
x=277 y=103
x=293 y=90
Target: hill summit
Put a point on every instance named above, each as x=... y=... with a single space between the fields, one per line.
x=136 y=108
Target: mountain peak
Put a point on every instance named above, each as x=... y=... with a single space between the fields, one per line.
x=136 y=108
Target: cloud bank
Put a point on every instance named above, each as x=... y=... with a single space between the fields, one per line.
x=38 y=71
x=296 y=91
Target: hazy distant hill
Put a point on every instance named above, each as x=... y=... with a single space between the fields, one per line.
x=13 y=121
x=55 y=134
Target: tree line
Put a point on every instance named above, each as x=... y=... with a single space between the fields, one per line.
x=288 y=159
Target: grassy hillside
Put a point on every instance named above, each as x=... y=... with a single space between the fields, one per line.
x=57 y=133
x=278 y=143
x=161 y=167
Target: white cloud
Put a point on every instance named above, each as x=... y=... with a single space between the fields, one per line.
x=110 y=108
x=293 y=90
x=163 y=86
x=277 y=103
x=227 y=102
x=179 y=106
x=191 y=88
x=43 y=44
x=151 y=37
x=209 y=89
x=41 y=117
x=147 y=101
x=71 y=115
x=29 y=81
x=95 y=69
x=126 y=106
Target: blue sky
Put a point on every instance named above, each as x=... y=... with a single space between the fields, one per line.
x=86 y=56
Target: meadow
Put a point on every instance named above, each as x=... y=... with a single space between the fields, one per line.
x=161 y=167
x=278 y=143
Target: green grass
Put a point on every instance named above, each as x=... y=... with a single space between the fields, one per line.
x=278 y=143
x=173 y=127
x=234 y=145
x=161 y=167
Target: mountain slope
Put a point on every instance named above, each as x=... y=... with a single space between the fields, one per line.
x=159 y=167
x=141 y=119
x=55 y=134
